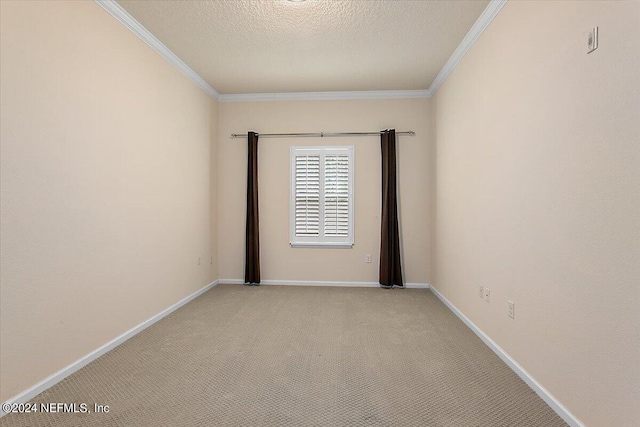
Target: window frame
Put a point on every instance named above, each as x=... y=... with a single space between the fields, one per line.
x=321 y=241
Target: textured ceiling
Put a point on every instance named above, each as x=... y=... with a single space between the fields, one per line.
x=268 y=46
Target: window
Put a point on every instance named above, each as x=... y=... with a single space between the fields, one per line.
x=321 y=210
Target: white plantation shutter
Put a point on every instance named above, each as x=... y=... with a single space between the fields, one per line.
x=321 y=196
x=336 y=195
x=307 y=195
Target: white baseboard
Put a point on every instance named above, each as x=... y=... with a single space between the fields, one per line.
x=416 y=285
x=323 y=283
x=35 y=390
x=549 y=399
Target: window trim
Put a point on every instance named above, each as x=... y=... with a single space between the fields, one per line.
x=321 y=241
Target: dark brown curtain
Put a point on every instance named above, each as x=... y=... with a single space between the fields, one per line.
x=390 y=269
x=252 y=247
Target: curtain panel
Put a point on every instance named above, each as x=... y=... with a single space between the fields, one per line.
x=390 y=266
x=252 y=244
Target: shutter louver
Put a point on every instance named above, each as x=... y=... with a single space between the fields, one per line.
x=336 y=195
x=307 y=196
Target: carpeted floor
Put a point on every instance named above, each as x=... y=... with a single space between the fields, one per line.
x=300 y=356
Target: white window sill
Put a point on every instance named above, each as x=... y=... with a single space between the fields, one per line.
x=327 y=245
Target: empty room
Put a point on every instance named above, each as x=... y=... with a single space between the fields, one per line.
x=320 y=213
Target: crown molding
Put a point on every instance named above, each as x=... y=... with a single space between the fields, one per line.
x=145 y=35
x=491 y=11
x=323 y=96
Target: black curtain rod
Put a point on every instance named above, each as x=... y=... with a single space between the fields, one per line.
x=318 y=134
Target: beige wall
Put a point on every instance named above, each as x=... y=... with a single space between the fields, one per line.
x=538 y=198
x=279 y=260
x=105 y=186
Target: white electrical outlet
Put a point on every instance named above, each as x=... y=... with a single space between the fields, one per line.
x=480 y=291
x=511 y=310
x=198 y=260
x=487 y=294
x=367 y=258
x=210 y=260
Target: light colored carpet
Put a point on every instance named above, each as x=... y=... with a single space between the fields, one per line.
x=300 y=356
